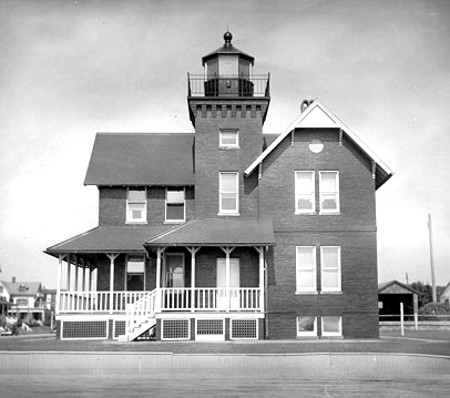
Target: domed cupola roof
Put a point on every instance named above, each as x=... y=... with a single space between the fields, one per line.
x=228 y=49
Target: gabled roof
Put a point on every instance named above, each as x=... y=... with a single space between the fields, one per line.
x=389 y=287
x=141 y=159
x=109 y=239
x=21 y=289
x=216 y=232
x=317 y=115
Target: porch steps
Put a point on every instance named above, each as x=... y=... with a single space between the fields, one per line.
x=138 y=330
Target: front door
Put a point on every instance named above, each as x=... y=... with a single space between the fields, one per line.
x=174 y=270
x=234 y=284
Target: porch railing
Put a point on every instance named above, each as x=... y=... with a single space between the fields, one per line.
x=167 y=299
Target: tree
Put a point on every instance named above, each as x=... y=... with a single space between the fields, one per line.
x=426 y=292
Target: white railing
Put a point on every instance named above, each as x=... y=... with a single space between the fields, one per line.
x=170 y=299
x=211 y=298
x=141 y=311
x=76 y=301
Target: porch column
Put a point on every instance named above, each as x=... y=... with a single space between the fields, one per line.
x=260 y=250
x=112 y=257
x=76 y=274
x=58 y=283
x=193 y=250
x=83 y=284
x=159 y=253
x=227 y=250
x=69 y=266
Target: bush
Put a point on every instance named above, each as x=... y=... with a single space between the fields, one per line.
x=432 y=309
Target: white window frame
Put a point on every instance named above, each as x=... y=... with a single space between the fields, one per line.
x=311 y=194
x=307 y=334
x=331 y=334
x=134 y=273
x=229 y=212
x=311 y=289
x=175 y=221
x=338 y=270
x=323 y=193
x=225 y=145
x=129 y=214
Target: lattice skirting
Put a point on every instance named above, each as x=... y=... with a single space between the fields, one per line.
x=119 y=329
x=244 y=329
x=84 y=330
x=210 y=329
x=176 y=329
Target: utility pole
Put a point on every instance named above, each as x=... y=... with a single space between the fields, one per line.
x=433 y=278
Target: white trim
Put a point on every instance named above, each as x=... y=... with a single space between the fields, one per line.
x=167 y=221
x=232 y=211
x=297 y=123
x=337 y=193
x=313 y=193
x=331 y=334
x=338 y=288
x=195 y=315
x=307 y=334
x=312 y=289
x=129 y=215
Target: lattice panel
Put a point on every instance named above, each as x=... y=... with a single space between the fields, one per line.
x=176 y=329
x=84 y=330
x=244 y=329
x=119 y=328
x=210 y=327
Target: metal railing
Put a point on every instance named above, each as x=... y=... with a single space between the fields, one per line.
x=228 y=86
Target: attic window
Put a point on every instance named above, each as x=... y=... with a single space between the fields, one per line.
x=23 y=288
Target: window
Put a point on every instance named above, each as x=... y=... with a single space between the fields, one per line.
x=306 y=269
x=304 y=192
x=229 y=138
x=329 y=192
x=330 y=260
x=229 y=193
x=306 y=326
x=331 y=326
x=175 y=207
x=135 y=273
x=136 y=205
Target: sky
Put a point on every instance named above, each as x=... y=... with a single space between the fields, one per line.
x=70 y=69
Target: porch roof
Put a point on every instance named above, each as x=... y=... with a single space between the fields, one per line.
x=109 y=239
x=218 y=232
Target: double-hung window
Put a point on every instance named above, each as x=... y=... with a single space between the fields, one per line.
x=330 y=261
x=229 y=193
x=136 y=205
x=331 y=326
x=175 y=205
x=135 y=273
x=329 y=192
x=229 y=138
x=305 y=202
x=306 y=269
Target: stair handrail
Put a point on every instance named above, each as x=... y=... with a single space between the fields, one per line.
x=140 y=311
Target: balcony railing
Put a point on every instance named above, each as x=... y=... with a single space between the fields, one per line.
x=168 y=299
x=228 y=86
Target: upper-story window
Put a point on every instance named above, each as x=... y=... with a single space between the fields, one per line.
x=137 y=205
x=329 y=192
x=175 y=205
x=305 y=192
x=229 y=138
x=229 y=193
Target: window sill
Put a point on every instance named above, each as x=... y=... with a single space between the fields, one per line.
x=329 y=213
x=174 y=221
x=332 y=293
x=136 y=222
x=298 y=293
x=312 y=213
x=229 y=214
x=227 y=148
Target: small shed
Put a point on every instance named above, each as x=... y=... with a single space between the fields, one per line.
x=391 y=294
x=444 y=298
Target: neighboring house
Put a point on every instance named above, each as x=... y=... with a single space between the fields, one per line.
x=391 y=294
x=226 y=233
x=444 y=297
x=26 y=300
x=4 y=299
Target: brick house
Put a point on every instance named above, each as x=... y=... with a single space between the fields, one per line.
x=226 y=233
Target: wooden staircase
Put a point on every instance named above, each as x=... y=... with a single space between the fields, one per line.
x=140 y=317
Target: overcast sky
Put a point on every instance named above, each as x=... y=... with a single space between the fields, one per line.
x=70 y=69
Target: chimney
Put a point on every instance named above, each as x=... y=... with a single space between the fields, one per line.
x=13 y=279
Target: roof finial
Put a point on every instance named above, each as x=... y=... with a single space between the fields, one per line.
x=227 y=37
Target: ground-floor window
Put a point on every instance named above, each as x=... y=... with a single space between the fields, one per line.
x=306 y=326
x=330 y=326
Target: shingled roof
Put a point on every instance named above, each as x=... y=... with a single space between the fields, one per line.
x=137 y=159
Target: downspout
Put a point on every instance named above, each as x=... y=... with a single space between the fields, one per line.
x=266 y=296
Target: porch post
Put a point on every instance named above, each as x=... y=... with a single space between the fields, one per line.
x=69 y=266
x=58 y=284
x=159 y=252
x=193 y=250
x=83 y=285
x=227 y=251
x=260 y=250
x=76 y=274
x=112 y=258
